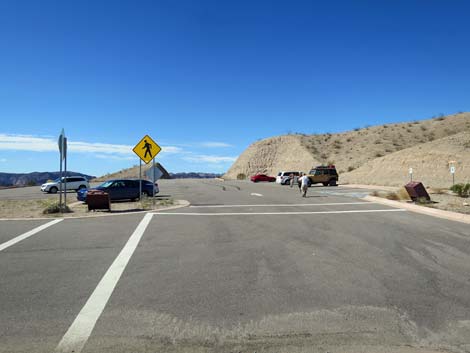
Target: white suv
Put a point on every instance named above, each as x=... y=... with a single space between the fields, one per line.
x=283 y=178
x=73 y=183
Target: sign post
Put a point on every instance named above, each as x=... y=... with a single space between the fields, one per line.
x=410 y=171
x=62 y=142
x=146 y=149
x=452 y=171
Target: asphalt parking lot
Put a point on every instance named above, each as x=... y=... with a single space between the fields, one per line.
x=247 y=267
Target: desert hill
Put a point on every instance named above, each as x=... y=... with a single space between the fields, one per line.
x=430 y=163
x=133 y=172
x=353 y=149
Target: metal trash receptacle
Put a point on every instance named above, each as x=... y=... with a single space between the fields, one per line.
x=416 y=190
x=98 y=200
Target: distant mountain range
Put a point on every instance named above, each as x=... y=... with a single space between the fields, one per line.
x=35 y=178
x=194 y=175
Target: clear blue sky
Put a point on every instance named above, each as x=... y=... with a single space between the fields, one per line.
x=207 y=78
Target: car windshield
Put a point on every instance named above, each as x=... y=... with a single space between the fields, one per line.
x=106 y=184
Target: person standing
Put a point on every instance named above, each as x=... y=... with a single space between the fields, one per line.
x=303 y=182
x=291 y=180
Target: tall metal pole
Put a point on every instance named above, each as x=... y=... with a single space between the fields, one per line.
x=140 y=179
x=153 y=184
x=65 y=178
x=60 y=182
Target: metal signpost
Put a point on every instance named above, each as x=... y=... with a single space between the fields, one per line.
x=410 y=171
x=62 y=142
x=146 y=149
x=452 y=170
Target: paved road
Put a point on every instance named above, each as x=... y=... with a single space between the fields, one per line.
x=248 y=267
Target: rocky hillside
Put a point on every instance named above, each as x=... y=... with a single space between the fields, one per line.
x=271 y=155
x=430 y=163
x=354 y=149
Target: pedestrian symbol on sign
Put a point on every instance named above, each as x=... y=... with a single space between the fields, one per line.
x=147 y=147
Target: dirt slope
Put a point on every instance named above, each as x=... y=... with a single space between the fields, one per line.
x=353 y=149
x=133 y=172
x=272 y=155
x=429 y=162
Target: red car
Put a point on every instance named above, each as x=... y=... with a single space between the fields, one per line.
x=262 y=177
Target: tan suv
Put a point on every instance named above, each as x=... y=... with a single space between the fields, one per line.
x=327 y=175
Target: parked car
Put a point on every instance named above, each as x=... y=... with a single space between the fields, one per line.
x=283 y=178
x=262 y=177
x=327 y=175
x=73 y=183
x=122 y=189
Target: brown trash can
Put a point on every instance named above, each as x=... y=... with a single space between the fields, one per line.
x=416 y=190
x=98 y=200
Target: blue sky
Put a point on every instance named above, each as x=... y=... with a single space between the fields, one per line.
x=207 y=78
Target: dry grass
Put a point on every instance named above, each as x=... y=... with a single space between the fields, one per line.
x=49 y=208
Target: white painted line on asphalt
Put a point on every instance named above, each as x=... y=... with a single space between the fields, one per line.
x=78 y=333
x=23 y=236
x=283 y=205
x=255 y=194
x=277 y=213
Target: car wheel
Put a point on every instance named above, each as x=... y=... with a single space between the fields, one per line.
x=333 y=182
x=53 y=190
x=325 y=184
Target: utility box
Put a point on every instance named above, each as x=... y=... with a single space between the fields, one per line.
x=417 y=191
x=98 y=200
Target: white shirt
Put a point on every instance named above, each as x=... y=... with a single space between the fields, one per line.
x=304 y=180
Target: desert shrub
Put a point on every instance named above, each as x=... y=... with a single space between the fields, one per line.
x=31 y=183
x=392 y=196
x=52 y=206
x=378 y=142
x=385 y=126
x=378 y=154
x=440 y=118
x=375 y=193
x=403 y=194
x=423 y=128
x=348 y=139
x=463 y=190
x=323 y=156
x=241 y=176
x=388 y=150
x=351 y=168
x=466 y=144
x=357 y=129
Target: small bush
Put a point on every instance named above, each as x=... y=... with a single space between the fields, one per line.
x=52 y=206
x=392 y=196
x=357 y=129
x=423 y=128
x=241 y=176
x=378 y=154
x=351 y=168
x=463 y=190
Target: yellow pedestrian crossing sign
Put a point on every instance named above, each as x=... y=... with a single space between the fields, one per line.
x=147 y=149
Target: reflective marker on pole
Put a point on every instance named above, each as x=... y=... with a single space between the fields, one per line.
x=452 y=171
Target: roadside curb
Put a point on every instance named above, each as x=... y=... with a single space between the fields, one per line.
x=451 y=216
x=183 y=203
x=362 y=186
